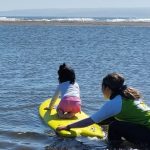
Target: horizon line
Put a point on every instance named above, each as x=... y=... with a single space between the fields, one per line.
x=75 y=8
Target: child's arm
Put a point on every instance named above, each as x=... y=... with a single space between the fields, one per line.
x=53 y=100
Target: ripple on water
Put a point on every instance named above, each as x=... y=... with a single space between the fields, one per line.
x=22 y=140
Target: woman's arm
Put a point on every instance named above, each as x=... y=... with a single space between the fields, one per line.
x=82 y=123
x=109 y=109
x=107 y=121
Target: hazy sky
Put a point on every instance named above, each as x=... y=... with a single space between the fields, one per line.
x=40 y=4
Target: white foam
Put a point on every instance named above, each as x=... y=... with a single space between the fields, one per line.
x=74 y=19
x=47 y=20
x=141 y=20
x=129 y=20
x=8 y=19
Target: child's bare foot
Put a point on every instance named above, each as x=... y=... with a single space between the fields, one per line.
x=68 y=115
x=60 y=114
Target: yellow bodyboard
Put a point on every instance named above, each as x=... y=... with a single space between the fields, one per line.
x=53 y=121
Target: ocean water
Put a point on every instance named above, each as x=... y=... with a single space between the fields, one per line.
x=29 y=59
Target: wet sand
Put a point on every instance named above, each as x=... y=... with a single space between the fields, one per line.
x=76 y=23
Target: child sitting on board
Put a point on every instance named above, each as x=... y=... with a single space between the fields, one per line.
x=69 y=91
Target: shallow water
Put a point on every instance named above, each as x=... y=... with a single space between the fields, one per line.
x=29 y=59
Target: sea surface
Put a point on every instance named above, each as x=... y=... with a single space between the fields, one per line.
x=29 y=59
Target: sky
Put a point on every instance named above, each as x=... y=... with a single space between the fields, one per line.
x=6 y=5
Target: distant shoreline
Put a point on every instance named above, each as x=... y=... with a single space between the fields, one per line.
x=76 y=23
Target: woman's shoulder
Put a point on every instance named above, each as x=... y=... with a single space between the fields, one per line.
x=117 y=98
x=115 y=101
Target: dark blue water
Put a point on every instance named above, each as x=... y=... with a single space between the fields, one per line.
x=29 y=59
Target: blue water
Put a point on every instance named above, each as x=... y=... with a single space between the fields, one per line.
x=29 y=58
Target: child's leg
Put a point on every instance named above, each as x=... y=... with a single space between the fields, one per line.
x=68 y=107
x=63 y=115
x=69 y=115
x=60 y=113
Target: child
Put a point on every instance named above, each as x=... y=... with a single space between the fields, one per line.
x=69 y=91
x=131 y=115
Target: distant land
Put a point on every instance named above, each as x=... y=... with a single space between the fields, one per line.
x=91 y=12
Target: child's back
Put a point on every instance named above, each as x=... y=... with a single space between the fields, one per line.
x=69 y=91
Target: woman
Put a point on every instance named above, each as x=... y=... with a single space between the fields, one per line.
x=131 y=116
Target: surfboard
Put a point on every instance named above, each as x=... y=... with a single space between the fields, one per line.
x=53 y=121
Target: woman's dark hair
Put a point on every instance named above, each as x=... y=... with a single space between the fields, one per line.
x=115 y=82
x=66 y=73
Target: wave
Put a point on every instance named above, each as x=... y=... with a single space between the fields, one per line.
x=128 y=20
x=37 y=140
x=8 y=19
x=76 y=19
x=22 y=140
x=145 y=22
x=27 y=135
x=49 y=20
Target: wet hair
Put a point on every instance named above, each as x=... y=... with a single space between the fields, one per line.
x=65 y=73
x=115 y=82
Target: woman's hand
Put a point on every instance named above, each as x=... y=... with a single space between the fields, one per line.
x=63 y=128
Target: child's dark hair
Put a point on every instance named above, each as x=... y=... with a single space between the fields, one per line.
x=66 y=73
x=115 y=82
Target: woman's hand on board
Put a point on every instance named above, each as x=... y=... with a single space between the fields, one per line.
x=63 y=128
